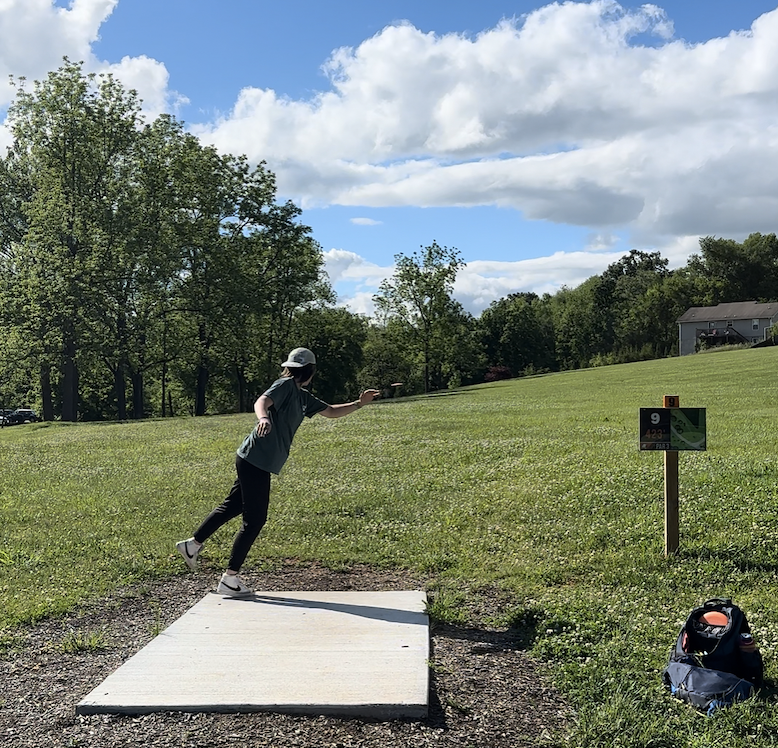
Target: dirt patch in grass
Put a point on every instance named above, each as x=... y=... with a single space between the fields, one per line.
x=484 y=689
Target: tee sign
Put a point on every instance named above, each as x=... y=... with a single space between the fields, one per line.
x=672 y=429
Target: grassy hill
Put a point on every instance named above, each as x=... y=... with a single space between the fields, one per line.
x=534 y=487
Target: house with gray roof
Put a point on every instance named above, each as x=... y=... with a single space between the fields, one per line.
x=735 y=322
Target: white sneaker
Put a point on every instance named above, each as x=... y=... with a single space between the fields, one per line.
x=232 y=585
x=190 y=551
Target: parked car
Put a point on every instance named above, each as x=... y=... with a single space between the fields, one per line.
x=21 y=415
x=4 y=413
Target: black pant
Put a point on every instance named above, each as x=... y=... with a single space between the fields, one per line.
x=249 y=496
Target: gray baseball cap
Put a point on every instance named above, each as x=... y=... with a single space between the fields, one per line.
x=299 y=357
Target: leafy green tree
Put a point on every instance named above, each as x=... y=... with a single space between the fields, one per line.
x=628 y=313
x=289 y=279
x=71 y=135
x=18 y=332
x=130 y=251
x=147 y=271
x=457 y=340
x=731 y=271
x=206 y=187
x=419 y=294
x=280 y=277
x=638 y=308
x=517 y=333
x=337 y=337
x=389 y=359
x=583 y=324
x=248 y=265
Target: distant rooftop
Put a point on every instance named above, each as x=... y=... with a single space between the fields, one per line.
x=733 y=310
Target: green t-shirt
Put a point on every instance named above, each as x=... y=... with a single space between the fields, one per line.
x=290 y=405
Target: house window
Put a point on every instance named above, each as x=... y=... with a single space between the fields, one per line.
x=754 y=324
x=729 y=324
x=711 y=325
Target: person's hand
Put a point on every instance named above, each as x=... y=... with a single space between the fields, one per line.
x=264 y=426
x=368 y=396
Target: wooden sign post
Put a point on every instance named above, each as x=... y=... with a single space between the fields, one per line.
x=672 y=531
x=672 y=429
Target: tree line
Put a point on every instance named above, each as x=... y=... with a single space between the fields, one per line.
x=143 y=273
x=627 y=313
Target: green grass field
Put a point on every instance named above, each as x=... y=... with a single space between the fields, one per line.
x=534 y=487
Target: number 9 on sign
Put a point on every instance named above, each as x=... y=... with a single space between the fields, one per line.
x=654 y=428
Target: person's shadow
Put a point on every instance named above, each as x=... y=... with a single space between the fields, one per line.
x=390 y=615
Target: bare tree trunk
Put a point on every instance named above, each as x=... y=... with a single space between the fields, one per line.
x=120 y=387
x=137 y=395
x=202 y=385
x=70 y=396
x=48 y=401
x=240 y=378
x=202 y=373
x=164 y=388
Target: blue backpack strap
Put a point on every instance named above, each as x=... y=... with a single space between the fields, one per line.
x=705 y=689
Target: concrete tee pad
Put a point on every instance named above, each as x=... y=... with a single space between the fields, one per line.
x=346 y=653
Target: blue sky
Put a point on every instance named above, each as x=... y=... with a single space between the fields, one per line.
x=542 y=146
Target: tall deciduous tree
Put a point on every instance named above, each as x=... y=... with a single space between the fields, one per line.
x=583 y=324
x=734 y=271
x=128 y=249
x=247 y=266
x=517 y=333
x=419 y=294
x=208 y=186
x=150 y=266
x=638 y=307
x=337 y=337
x=387 y=360
x=17 y=328
x=72 y=134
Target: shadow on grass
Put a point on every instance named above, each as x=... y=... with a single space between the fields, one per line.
x=741 y=559
x=516 y=638
x=768 y=691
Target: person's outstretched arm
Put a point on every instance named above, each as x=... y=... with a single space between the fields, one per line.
x=344 y=409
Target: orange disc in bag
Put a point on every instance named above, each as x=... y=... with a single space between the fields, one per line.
x=714 y=618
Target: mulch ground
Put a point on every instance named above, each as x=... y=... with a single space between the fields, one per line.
x=485 y=691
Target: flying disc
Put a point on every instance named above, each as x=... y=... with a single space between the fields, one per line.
x=714 y=618
x=397 y=384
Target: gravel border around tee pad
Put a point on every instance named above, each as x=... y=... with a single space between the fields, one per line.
x=484 y=690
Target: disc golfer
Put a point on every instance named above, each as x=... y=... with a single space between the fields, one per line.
x=280 y=411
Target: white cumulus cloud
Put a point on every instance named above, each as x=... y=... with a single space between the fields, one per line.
x=478 y=283
x=365 y=222
x=483 y=281
x=564 y=114
x=560 y=114
x=35 y=36
x=342 y=265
